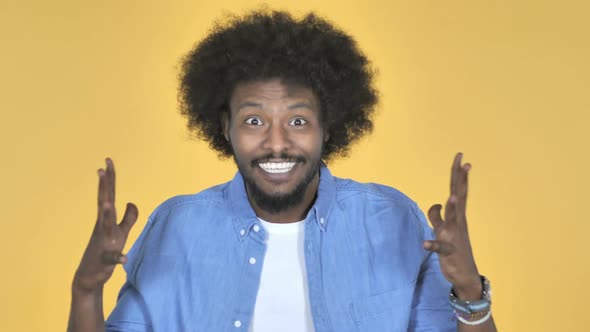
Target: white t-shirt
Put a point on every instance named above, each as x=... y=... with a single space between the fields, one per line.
x=282 y=303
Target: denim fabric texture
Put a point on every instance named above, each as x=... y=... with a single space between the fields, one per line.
x=190 y=269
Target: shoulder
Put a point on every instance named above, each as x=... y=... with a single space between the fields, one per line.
x=210 y=197
x=182 y=217
x=379 y=216
x=347 y=189
x=379 y=202
x=172 y=227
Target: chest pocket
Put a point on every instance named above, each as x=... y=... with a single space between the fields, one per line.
x=389 y=311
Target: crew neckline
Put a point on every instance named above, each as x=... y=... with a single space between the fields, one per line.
x=283 y=228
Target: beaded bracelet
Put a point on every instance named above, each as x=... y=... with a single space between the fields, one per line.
x=472 y=315
x=475 y=322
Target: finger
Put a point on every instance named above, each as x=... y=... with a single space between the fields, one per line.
x=439 y=247
x=113 y=257
x=462 y=189
x=129 y=218
x=106 y=192
x=108 y=216
x=463 y=180
x=110 y=193
x=101 y=187
x=455 y=169
x=451 y=209
x=434 y=216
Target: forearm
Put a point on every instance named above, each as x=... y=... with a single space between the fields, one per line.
x=86 y=312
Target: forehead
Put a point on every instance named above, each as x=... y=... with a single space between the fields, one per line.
x=272 y=90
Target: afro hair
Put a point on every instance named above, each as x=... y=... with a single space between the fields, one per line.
x=265 y=44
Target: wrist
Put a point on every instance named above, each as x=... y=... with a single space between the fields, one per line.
x=470 y=290
x=472 y=309
x=81 y=289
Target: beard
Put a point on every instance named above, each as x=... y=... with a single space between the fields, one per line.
x=278 y=202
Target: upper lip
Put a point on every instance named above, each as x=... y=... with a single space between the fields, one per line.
x=276 y=161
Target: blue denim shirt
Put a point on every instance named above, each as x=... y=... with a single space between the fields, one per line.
x=190 y=269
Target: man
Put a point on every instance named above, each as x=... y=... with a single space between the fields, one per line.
x=284 y=246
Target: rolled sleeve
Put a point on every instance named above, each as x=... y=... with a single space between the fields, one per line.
x=130 y=313
x=431 y=311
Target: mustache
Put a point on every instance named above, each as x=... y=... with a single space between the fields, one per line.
x=272 y=156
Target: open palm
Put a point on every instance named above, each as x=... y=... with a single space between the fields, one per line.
x=452 y=237
x=104 y=250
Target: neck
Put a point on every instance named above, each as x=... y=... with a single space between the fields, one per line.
x=294 y=213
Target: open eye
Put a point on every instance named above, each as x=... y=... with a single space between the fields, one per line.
x=254 y=121
x=297 y=122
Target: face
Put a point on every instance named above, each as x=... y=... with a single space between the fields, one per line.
x=277 y=137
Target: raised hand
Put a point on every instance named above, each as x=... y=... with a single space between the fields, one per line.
x=104 y=250
x=452 y=238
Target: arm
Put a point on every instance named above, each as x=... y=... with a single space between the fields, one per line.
x=86 y=311
x=454 y=248
x=103 y=253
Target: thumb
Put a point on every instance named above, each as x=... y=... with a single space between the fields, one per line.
x=129 y=218
x=434 y=216
x=113 y=257
x=440 y=247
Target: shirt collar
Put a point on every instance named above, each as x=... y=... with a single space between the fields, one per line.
x=244 y=216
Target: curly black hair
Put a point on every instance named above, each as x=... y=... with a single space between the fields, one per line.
x=265 y=44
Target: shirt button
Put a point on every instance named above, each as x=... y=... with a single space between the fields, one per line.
x=256 y=228
x=242 y=232
x=322 y=220
x=237 y=323
x=252 y=260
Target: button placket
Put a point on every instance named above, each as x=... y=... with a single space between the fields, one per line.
x=314 y=274
x=253 y=256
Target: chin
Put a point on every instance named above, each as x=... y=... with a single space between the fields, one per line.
x=273 y=201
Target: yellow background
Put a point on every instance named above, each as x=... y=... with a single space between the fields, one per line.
x=506 y=82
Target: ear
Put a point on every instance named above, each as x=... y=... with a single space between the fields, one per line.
x=225 y=125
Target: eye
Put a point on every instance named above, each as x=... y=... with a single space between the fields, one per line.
x=297 y=122
x=254 y=121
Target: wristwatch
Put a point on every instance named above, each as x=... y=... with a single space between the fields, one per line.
x=473 y=308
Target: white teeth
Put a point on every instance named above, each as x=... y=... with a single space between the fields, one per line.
x=283 y=167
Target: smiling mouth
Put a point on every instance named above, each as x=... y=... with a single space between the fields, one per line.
x=277 y=168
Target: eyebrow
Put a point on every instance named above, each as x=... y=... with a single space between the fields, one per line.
x=249 y=104
x=291 y=107
x=302 y=105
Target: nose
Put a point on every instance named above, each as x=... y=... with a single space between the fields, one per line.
x=277 y=139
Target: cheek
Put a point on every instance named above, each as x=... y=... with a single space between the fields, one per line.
x=311 y=144
x=243 y=143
